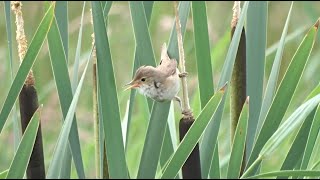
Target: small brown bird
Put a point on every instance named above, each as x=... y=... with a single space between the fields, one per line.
x=161 y=83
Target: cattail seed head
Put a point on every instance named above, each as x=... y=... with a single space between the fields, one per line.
x=21 y=38
x=236 y=13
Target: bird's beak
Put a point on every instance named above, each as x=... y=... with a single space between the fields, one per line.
x=132 y=85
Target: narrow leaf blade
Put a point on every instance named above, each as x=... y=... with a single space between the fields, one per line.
x=272 y=82
x=202 y=46
x=238 y=145
x=108 y=96
x=256 y=37
x=209 y=139
x=62 y=80
x=287 y=173
x=297 y=117
x=284 y=93
x=62 y=142
x=22 y=156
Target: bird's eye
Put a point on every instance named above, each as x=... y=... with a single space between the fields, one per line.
x=143 y=79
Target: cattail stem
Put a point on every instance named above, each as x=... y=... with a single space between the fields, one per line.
x=191 y=168
x=238 y=79
x=105 y=171
x=185 y=99
x=28 y=100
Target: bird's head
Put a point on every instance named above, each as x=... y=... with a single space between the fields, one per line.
x=144 y=76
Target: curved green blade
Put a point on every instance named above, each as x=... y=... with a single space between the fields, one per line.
x=297 y=117
x=272 y=82
x=294 y=156
x=209 y=140
x=16 y=123
x=256 y=37
x=287 y=173
x=61 y=14
x=238 y=145
x=107 y=93
x=78 y=51
x=22 y=156
x=61 y=76
x=292 y=36
x=285 y=92
x=311 y=141
x=300 y=147
x=55 y=165
x=202 y=46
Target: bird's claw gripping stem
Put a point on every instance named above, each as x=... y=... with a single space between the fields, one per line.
x=184 y=74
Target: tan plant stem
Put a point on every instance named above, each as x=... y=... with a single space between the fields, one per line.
x=236 y=14
x=185 y=100
x=28 y=100
x=96 y=117
x=191 y=169
x=21 y=38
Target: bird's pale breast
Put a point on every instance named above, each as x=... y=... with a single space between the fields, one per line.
x=162 y=91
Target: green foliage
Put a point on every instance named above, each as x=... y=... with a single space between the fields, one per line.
x=59 y=66
x=20 y=161
x=238 y=145
x=108 y=97
x=141 y=135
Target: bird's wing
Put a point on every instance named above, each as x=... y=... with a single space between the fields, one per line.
x=167 y=65
x=161 y=75
x=164 y=53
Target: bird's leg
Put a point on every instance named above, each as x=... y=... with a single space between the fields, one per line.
x=184 y=74
x=183 y=111
x=177 y=98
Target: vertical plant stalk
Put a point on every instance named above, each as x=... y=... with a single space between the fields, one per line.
x=191 y=168
x=238 y=79
x=28 y=100
x=96 y=118
x=185 y=99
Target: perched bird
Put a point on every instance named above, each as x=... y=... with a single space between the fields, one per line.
x=161 y=83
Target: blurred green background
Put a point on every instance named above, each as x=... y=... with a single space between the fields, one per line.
x=121 y=39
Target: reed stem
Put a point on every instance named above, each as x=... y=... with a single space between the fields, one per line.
x=105 y=171
x=28 y=100
x=191 y=168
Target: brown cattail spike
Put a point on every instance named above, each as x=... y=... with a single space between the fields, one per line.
x=238 y=79
x=191 y=168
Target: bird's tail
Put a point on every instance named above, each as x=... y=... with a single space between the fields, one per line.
x=164 y=52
